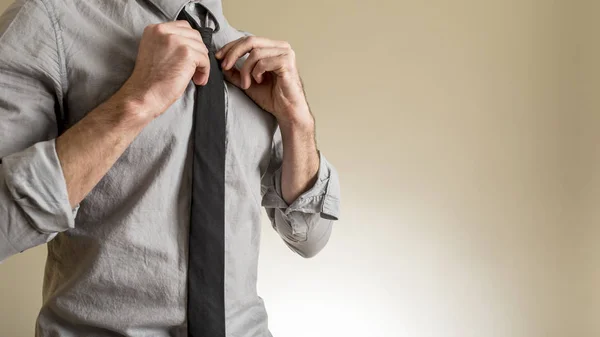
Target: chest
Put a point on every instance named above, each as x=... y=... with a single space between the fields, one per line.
x=101 y=45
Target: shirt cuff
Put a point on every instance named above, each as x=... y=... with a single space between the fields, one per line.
x=36 y=183
x=323 y=198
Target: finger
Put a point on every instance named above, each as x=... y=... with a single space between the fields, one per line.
x=198 y=54
x=168 y=26
x=275 y=64
x=187 y=32
x=233 y=76
x=246 y=45
x=192 y=50
x=225 y=49
x=200 y=77
x=178 y=23
x=202 y=73
x=255 y=56
x=184 y=41
x=197 y=45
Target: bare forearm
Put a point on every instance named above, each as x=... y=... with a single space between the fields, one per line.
x=169 y=55
x=300 y=158
x=90 y=148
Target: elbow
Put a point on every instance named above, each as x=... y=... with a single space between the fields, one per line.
x=306 y=253
x=305 y=236
x=316 y=240
x=34 y=183
x=17 y=232
x=310 y=253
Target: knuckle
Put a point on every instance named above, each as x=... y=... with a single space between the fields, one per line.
x=254 y=54
x=160 y=28
x=246 y=66
x=184 y=51
x=189 y=53
x=149 y=28
x=171 y=40
x=286 y=45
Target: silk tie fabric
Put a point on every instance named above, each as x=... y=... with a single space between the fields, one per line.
x=206 y=269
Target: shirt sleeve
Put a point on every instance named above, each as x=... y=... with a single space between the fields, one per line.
x=305 y=225
x=34 y=204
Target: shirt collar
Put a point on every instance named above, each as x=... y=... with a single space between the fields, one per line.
x=171 y=9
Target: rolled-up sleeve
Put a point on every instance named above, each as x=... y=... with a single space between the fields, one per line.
x=305 y=224
x=34 y=204
x=33 y=198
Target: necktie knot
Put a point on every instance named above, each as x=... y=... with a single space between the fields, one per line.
x=206 y=32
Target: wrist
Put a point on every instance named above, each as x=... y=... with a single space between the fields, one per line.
x=299 y=120
x=131 y=107
x=298 y=134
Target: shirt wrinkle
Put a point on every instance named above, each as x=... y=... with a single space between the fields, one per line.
x=118 y=260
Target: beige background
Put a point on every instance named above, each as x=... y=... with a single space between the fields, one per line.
x=467 y=137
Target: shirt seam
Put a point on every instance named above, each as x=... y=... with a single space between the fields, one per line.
x=61 y=59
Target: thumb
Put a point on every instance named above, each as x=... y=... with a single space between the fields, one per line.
x=201 y=76
x=233 y=76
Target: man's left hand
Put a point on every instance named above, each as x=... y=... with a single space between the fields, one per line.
x=269 y=76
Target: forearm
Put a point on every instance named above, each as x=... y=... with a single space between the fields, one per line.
x=300 y=157
x=309 y=186
x=169 y=55
x=90 y=148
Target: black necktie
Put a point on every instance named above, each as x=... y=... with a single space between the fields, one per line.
x=206 y=267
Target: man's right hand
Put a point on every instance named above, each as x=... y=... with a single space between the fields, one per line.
x=170 y=54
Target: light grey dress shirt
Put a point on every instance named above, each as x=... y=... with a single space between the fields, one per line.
x=117 y=263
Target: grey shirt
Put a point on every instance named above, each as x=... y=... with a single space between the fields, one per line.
x=117 y=263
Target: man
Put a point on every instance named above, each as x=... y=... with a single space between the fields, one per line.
x=125 y=149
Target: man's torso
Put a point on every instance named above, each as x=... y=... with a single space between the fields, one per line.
x=122 y=270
